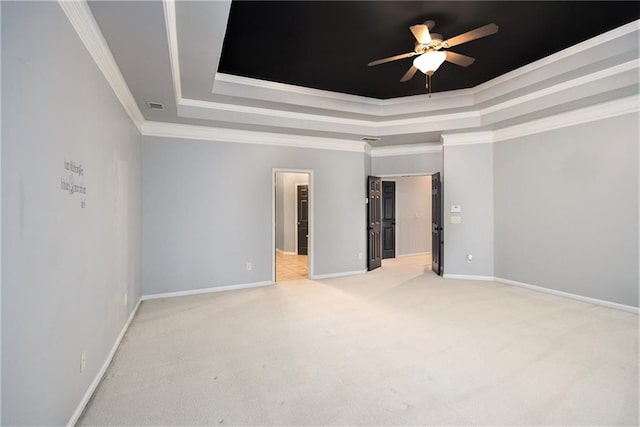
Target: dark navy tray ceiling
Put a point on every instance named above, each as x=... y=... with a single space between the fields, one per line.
x=327 y=44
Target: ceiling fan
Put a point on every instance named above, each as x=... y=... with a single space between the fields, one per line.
x=428 y=46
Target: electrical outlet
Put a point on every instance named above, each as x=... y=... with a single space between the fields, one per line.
x=469 y=258
x=359 y=255
x=83 y=360
x=125 y=299
x=249 y=266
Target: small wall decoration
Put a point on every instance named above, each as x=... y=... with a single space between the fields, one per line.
x=73 y=182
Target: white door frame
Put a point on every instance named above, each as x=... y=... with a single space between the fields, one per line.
x=310 y=248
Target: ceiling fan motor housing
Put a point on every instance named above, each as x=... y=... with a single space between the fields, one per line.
x=434 y=44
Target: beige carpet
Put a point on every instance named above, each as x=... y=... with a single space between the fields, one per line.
x=398 y=346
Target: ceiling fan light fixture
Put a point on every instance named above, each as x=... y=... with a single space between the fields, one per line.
x=429 y=62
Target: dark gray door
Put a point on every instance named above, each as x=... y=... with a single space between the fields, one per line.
x=303 y=218
x=437 y=238
x=374 y=214
x=388 y=219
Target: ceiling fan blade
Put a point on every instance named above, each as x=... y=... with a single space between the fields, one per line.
x=392 y=58
x=459 y=59
x=471 y=35
x=421 y=33
x=409 y=74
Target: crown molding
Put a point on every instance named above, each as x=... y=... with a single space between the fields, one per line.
x=387 y=117
x=605 y=110
x=220 y=106
x=206 y=133
x=373 y=125
x=563 y=54
x=299 y=90
x=85 y=25
x=584 y=115
x=592 y=113
x=569 y=84
x=406 y=149
x=468 y=138
x=169 y=7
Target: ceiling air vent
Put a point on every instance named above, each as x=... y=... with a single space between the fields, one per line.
x=155 y=105
x=370 y=139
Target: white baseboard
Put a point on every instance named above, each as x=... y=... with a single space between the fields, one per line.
x=280 y=251
x=332 y=275
x=609 y=304
x=416 y=254
x=207 y=290
x=596 y=301
x=94 y=384
x=468 y=277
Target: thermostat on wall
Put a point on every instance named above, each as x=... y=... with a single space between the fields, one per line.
x=456 y=209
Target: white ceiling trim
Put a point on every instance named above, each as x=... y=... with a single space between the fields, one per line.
x=349 y=103
x=592 y=83
x=219 y=106
x=206 y=133
x=469 y=138
x=246 y=109
x=563 y=54
x=605 y=110
x=584 y=115
x=592 y=113
x=292 y=89
x=407 y=149
x=85 y=25
x=588 y=81
x=169 y=7
x=569 y=84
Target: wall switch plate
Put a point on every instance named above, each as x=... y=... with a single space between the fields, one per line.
x=456 y=219
x=125 y=299
x=249 y=266
x=456 y=208
x=83 y=360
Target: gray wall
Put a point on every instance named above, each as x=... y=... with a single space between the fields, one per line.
x=286 y=200
x=468 y=182
x=566 y=209
x=413 y=215
x=414 y=164
x=207 y=211
x=66 y=269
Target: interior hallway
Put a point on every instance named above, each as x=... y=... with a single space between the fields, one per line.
x=395 y=346
x=291 y=267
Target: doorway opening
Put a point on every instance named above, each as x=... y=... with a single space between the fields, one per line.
x=405 y=217
x=292 y=223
